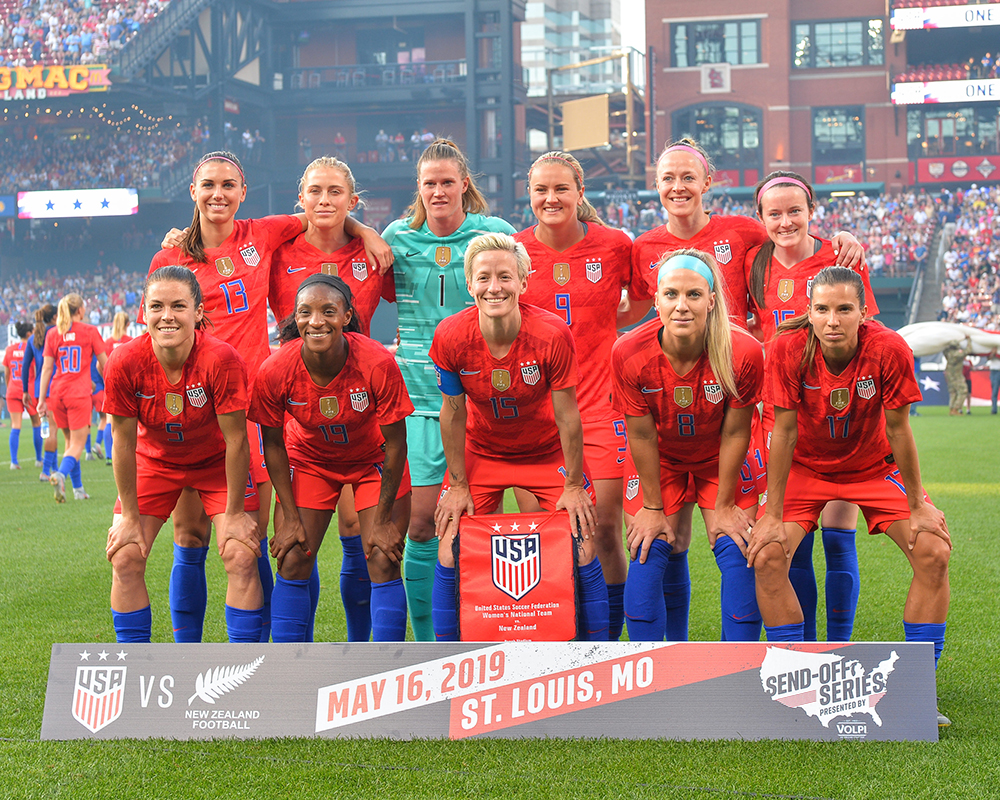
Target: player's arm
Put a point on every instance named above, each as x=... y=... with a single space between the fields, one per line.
x=923 y=516
x=631 y=311
x=770 y=528
x=651 y=520
x=574 y=498
x=236 y=523
x=102 y=359
x=48 y=364
x=290 y=532
x=848 y=250
x=730 y=519
x=458 y=499
x=379 y=253
x=126 y=528
x=385 y=535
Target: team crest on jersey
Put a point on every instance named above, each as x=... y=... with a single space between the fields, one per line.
x=683 y=396
x=839 y=398
x=225 y=266
x=809 y=288
x=442 y=256
x=632 y=489
x=786 y=288
x=328 y=269
x=250 y=256
x=197 y=396
x=593 y=271
x=723 y=253
x=329 y=407
x=500 y=380
x=713 y=393
x=560 y=273
x=516 y=563
x=98 y=696
x=174 y=403
x=866 y=388
x=359 y=400
x=531 y=373
x=360 y=269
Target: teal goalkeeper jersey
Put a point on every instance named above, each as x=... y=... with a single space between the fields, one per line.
x=429 y=274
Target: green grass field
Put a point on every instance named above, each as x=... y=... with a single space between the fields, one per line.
x=54 y=584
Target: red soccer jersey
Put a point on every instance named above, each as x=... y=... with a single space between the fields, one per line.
x=338 y=422
x=234 y=282
x=726 y=238
x=841 y=421
x=296 y=260
x=110 y=344
x=583 y=286
x=72 y=352
x=786 y=293
x=688 y=409
x=510 y=400
x=13 y=359
x=178 y=422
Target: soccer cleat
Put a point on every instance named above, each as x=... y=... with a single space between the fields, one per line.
x=58 y=481
x=98 y=451
x=43 y=478
x=80 y=494
x=943 y=721
x=15 y=465
x=38 y=464
x=90 y=457
x=107 y=463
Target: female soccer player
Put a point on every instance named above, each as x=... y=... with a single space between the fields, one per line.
x=34 y=356
x=687 y=383
x=68 y=351
x=447 y=212
x=327 y=194
x=17 y=381
x=177 y=400
x=841 y=387
x=345 y=403
x=579 y=269
x=779 y=273
x=509 y=418
x=119 y=335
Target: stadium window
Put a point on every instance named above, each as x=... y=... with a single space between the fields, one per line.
x=736 y=42
x=731 y=133
x=933 y=132
x=838 y=43
x=838 y=135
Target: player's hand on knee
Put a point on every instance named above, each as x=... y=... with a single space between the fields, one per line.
x=930 y=519
x=240 y=527
x=582 y=516
x=647 y=525
x=731 y=521
x=124 y=531
x=457 y=500
x=767 y=530
x=385 y=536
x=288 y=535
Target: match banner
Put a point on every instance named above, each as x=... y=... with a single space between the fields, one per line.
x=52 y=80
x=881 y=691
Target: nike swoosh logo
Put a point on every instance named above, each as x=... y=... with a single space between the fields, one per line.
x=469 y=372
x=145 y=396
x=291 y=270
x=651 y=391
x=807 y=386
x=293 y=403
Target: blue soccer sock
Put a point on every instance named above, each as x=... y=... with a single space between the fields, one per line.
x=243 y=625
x=419 y=559
x=592 y=624
x=188 y=593
x=49 y=462
x=926 y=632
x=15 y=443
x=803 y=580
x=616 y=611
x=645 y=611
x=108 y=441
x=356 y=589
x=86 y=446
x=388 y=610
x=314 y=589
x=135 y=627
x=67 y=465
x=76 y=476
x=677 y=596
x=36 y=435
x=290 y=606
x=843 y=582
x=738 y=596
x=445 y=605
x=267 y=586
x=785 y=633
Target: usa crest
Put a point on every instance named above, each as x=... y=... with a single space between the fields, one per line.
x=839 y=398
x=593 y=271
x=786 y=288
x=359 y=400
x=225 y=266
x=632 y=488
x=98 y=696
x=174 y=403
x=500 y=380
x=560 y=273
x=530 y=374
x=683 y=396
x=360 y=270
x=329 y=407
x=516 y=563
x=723 y=253
x=250 y=256
x=442 y=256
x=866 y=388
x=328 y=269
x=713 y=393
x=197 y=396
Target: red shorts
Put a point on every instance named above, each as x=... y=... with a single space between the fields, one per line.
x=97 y=401
x=882 y=499
x=70 y=412
x=543 y=476
x=605 y=444
x=258 y=469
x=15 y=405
x=160 y=485
x=319 y=487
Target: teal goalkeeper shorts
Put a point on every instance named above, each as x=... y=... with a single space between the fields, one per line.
x=424 y=451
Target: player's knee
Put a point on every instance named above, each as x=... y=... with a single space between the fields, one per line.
x=128 y=563
x=770 y=564
x=931 y=557
x=191 y=534
x=380 y=568
x=238 y=559
x=348 y=525
x=421 y=527
x=445 y=554
x=296 y=565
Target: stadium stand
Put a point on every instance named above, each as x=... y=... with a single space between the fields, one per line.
x=970 y=292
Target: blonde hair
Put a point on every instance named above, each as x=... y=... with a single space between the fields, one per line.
x=68 y=306
x=119 y=325
x=473 y=201
x=329 y=162
x=687 y=143
x=502 y=242
x=719 y=330
x=585 y=212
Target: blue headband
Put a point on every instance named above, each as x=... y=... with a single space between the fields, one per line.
x=686 y=262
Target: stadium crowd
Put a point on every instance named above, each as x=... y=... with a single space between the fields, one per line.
x=970 y=292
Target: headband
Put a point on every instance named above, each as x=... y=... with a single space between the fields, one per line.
x=688 y=149
x=687 y=262
x=784 y=180
x=333 y=281
x=217 y=158
x=565 y=161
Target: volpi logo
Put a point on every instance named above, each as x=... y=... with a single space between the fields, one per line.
x=516 y=562
x=99 y=693
x=852 y=730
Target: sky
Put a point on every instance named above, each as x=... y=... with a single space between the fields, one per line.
x=634 y=24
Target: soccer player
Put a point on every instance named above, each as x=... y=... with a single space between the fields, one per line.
x=332 y=404
x=687 y=383
x=119 y=335
x=34 y=355
x=509 y=418
x=68 y=351
x=17 y=380
x=778 y=275
x=841 y=386
x=177 y=398
x=580 y=268
x=327 y=194
x=429 y=243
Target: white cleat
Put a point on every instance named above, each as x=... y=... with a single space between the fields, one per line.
x=99 y=451
x=90 y=457
x=80 y=494
x=15 y=465
x=38 y=464
x=58 y=481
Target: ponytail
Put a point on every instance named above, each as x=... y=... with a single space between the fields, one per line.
x=68 y=306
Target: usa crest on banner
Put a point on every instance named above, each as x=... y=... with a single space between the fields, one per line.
x=250 y=256
x=197 y=396
x=98 y=696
